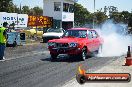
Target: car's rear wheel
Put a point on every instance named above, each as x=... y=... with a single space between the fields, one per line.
x=53 y=56
x=99 y=49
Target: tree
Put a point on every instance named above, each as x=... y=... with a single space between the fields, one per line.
x=116 y=16
x=38 y=11
x=125 y=16
x=5 y=5
x=31 y=12
x=100 y=17
x=81 y=15
x=13 y=8
x=130 y=20
x=25 y=9
x=8 y=6
x=121 y=16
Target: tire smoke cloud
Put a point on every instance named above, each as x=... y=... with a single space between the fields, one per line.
x=116 y=39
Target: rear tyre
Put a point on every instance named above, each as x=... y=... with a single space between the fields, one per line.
x=54 y=56
x=99 y=49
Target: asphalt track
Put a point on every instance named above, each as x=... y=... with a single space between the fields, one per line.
x=31 y=67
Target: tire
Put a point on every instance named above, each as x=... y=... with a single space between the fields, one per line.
x=54 y=56
x=14 y=44
x=45 y=40
x=83 y=55
x=99 y=49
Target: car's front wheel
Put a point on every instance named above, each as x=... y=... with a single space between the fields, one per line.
x=83 y=54
x=45 y=40
x=53 y=56
x=14 y=44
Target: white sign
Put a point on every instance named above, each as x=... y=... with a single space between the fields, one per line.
x=9 y=18
x=67 y=16
x=20 y=20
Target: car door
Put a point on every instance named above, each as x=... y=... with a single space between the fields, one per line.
x=89 y=42
x=96 y=41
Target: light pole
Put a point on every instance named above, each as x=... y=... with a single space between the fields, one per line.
x=94 y=16
x=20 y=7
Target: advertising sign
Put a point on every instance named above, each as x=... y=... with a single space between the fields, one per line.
x=42 y=21
x=20 y=20
x=9 y=18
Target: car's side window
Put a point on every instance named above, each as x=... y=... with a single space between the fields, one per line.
x=90 y=36
x=94 y=33
x=82 y=34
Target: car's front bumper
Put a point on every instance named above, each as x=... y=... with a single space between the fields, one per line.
x=70 y=51
x=47 y=38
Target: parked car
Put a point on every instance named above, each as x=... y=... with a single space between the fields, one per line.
x=52 y=33
x=78 y=42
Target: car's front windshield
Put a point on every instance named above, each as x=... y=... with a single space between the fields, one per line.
x=58 y=30
x=75 y=33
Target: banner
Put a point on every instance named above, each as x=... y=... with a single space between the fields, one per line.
x=42 y=21
x=20 y=20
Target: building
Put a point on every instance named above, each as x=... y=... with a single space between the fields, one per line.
x=62 y=12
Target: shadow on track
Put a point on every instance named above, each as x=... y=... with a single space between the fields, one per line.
x=63 y=58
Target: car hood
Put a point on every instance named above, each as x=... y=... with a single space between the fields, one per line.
x=52 y=34
x=67 y=40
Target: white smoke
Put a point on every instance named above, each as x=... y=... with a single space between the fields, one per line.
x=115 y=38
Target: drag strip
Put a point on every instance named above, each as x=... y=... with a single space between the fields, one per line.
x=25 y=50
x=39 y=71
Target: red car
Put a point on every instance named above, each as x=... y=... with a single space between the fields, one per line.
x=78 y=42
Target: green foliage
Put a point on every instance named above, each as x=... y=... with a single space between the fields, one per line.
x=82 y=16
x=100 y=17
x=123 y=17
x=130 y=20
x=8 y=6
x=5 y=5
x=33 y=11
x=38 y=11
x=25 y=9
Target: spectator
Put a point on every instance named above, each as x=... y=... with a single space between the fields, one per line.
x=3 y=38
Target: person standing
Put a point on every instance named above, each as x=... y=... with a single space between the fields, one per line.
x=3 y=37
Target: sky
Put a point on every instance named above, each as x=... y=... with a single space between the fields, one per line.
x=122 y=5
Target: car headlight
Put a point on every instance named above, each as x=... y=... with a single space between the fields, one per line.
x=73 y=44
x=51 y=43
